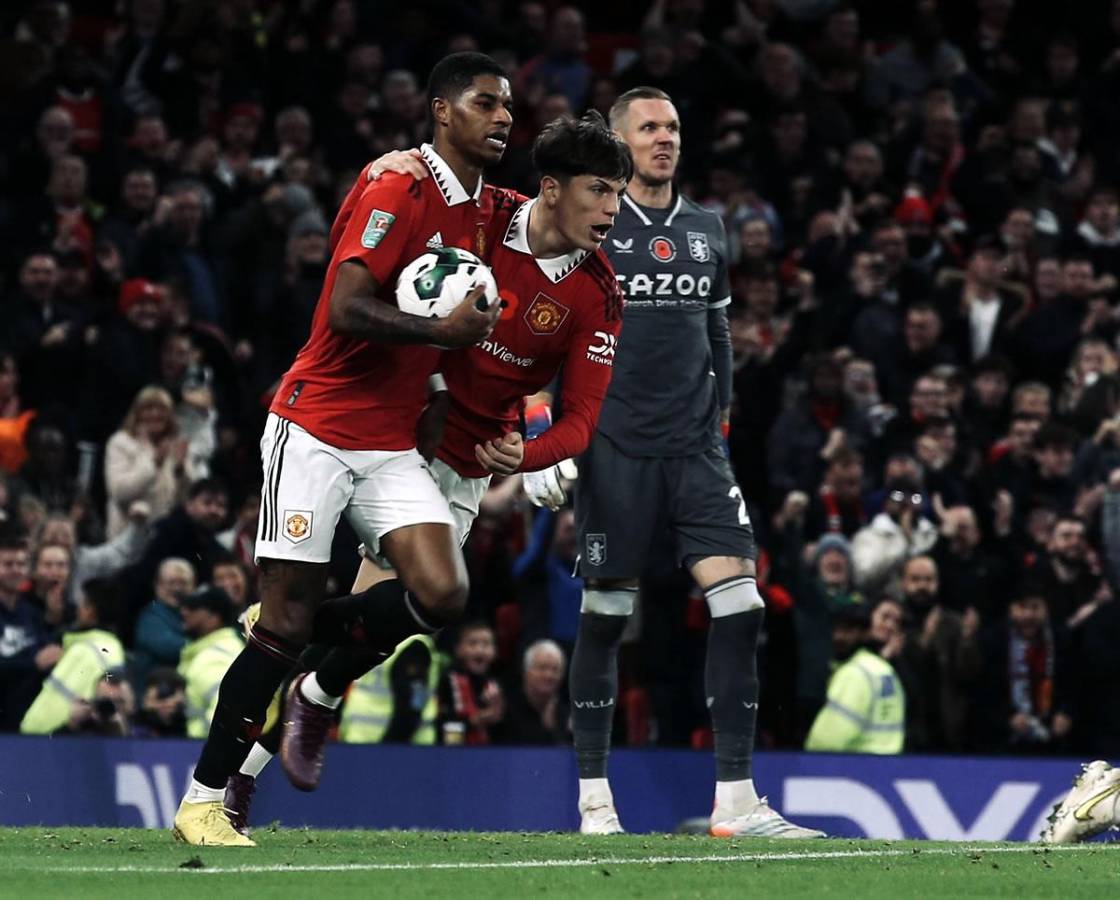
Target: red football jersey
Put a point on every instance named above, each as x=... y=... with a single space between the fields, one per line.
x=363 y=395
x=565 y=312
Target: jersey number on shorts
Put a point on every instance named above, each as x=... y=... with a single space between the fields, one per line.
x=735 y=494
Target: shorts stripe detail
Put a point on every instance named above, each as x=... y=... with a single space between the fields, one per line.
x=266 y=488
x=274 y=486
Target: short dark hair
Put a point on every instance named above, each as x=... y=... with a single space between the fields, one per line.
x=1055 y=436
x=622 y=105
x=12 y=539
x=206 y=486
x=103 y=594
x=454 y=74
x=567 y=148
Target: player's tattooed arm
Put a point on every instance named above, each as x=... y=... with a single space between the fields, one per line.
x=357 y=311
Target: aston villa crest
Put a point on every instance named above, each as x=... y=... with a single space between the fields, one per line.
x=698 y=247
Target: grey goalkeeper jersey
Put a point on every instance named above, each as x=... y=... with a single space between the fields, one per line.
x=672 y=267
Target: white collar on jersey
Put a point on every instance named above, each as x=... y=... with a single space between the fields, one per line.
x=453 y=192
x=646 y=220
x=517 y=238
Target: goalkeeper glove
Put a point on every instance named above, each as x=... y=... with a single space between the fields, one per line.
x=546 y=487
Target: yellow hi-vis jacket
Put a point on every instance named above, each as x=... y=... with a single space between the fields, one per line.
x=203 y=664
x=369 y=705
x=865 y=711
x=86 y=657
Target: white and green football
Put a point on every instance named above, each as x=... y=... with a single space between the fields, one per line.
x=434 y=283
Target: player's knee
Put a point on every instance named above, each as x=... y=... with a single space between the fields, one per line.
x=288 y=619
x=442 y=595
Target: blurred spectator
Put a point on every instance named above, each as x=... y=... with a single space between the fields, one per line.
x=160 y=636
x=44 y=334
x=561 y=67
x=837 y=505
x=132 y=217
x=1023 y=700
x=979 y=314
x=26 y=653
x=471 y=701
x=1046 y=336
x=231 y=577
x=163 y=704
x=550 y=593
x=240 y=539
x=145 y=460
x=175 y=249
x=899 y=532
x=808 y=433
x=395 y=703
x=941 y=655
x=109 y=712
x=89 y=652
x=189 y=532
x=866 y=707
x=214 y=645
x=51 y=571
x=1064 y=576
x=819 y=580
x=537 y=714
x=100 y=560
x=123 y=356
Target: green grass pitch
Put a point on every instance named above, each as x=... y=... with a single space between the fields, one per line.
x=127 y=863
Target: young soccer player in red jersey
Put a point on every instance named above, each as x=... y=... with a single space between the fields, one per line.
x=341 y=431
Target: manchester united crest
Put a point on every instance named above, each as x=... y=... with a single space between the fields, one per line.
x=545 y=315
x=297 y=525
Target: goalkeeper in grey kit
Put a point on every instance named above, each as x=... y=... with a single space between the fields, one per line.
x=656 y=462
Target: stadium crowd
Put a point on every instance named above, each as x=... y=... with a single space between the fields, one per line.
x=923 y=206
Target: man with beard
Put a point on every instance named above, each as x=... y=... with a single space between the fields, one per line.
x=866 y=707
x=942 y=654
x=1064 y=576
x=1023 y=699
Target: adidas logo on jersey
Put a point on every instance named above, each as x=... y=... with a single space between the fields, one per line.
x=435 y=241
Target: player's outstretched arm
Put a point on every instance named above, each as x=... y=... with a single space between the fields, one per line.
x=357 y=311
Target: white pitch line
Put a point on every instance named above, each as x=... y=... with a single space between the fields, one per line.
x=792 y=856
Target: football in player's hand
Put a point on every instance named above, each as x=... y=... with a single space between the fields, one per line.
x=434 y=283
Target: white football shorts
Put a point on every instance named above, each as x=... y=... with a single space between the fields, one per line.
x=463 y=496
x=308 y=484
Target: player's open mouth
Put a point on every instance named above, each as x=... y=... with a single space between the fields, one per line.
x=497 y=140
x=664 y=157
x=599 y=232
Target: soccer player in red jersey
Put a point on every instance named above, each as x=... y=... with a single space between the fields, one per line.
x=563 y=309
x=341 y=431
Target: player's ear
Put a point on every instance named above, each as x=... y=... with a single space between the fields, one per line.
x=441 y=111
x=550 y=189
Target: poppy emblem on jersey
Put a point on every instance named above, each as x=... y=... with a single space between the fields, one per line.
x=377 y=227
x=698 y=246
x=596 y=549
x=297 y=525
x=545 y=315
x=662 y=249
